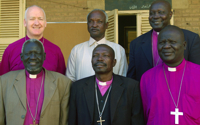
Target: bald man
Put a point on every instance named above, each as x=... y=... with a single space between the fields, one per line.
x=35 y=23
x=170 y=92
x=105 y=98
x=143 y=50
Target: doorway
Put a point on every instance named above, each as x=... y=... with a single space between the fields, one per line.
x=127 y=31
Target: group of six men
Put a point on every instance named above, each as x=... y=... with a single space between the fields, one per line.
x=37 y=92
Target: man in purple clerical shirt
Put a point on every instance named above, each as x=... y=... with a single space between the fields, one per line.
x=35 y=23
x=170 y=92
x=34 y=95
x=143 y=50
x=105 y=98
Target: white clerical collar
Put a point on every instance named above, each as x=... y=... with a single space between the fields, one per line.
x=172 y=69
x=157 y=33
x=92 y=41
x=33 y=76
x=102 y=83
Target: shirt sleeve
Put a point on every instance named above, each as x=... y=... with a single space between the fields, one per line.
x=5 y=63
x=71 y=69
x=123 y=63
x=61 y=68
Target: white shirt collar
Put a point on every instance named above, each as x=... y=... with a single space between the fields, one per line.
x=33 y=76
x=172 y=69
x=92 y=41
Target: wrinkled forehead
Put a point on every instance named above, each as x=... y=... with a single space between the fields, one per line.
x=35 y=10
x=97 y=14
x=32 y=45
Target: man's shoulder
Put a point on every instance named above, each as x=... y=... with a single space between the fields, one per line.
x=113 y=44
x=188 y=33
x=51 y=45
x=152 y=72
x=11 y=73
x=80 y=45
x=126 y=80
x=143 y=36
x=81 y=82
x=56 y=75
x=17 y=43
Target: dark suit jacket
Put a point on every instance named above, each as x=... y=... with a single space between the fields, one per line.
x=125 y=102
x=140 y=57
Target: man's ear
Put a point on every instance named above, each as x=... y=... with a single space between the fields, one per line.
x=107 y=25
x=170 y=14
x=185 y=45
x=25 y=23
x=114 y=62
x=21 y=56
x=44 y=56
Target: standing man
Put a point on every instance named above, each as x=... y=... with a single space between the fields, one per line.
x=78 y=65
x=105 y=98
x=35 y=23
x=170 y=92
x=143 y=50
x=35 y=95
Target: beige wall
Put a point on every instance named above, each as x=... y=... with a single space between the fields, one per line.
x=187 y=14
x=66 y=35
x=67 y=10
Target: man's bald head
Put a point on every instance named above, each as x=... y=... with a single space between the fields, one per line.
x=167 y=4
x=171 y=45
x=159 y=15
x=112 y=52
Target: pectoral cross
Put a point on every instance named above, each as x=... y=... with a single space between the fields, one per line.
x=176 y=113
x=34 y=123
x=101 y=121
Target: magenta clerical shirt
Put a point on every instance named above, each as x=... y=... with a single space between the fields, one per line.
x=103 y=86
x=32 y=91
x=156 y=58
x=157 y=102
x=11 y=58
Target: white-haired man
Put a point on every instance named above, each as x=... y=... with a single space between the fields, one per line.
x=35 y=23
x=79 y=62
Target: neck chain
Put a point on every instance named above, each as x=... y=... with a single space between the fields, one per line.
x=37 y=100
x=180 y=86
x=101 y=113
x=41 y=41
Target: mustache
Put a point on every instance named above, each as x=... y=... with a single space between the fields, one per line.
x=100 y=63
x=94 y=29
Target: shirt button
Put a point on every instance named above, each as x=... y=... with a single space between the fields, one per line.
x=23 y=116
x=101 y=101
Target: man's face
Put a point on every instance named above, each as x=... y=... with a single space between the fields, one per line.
x=97 y=25
x=35 y=22
x=171 y=47
x=33 y=57
x=159 y=16
x=103 y=60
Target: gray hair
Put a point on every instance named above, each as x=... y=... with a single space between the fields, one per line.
x=98 y=10
x=25 y=15
x=32 y=40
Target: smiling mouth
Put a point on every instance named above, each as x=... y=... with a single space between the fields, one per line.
x=167 y=53
x=32 y=63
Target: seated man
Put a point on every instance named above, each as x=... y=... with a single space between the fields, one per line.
x=170 y=92
x=105 y=98
x=35 y=95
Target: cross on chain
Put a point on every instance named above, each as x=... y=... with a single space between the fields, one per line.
x=176 y=113
x=101 y=121
x=34 y=123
